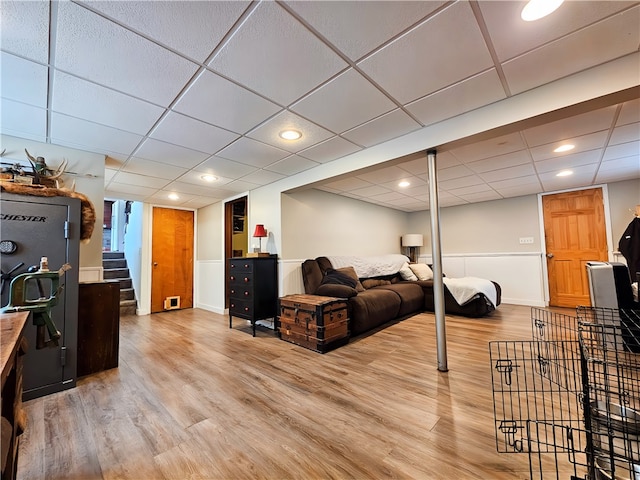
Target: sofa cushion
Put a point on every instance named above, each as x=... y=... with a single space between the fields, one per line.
x=374 y=282
x=372 y=308
x=407 y=274
x=422 y=271
x=351 y=272
x=411 y=297
x=334 y=277
x=311 y=276
x=334 y=290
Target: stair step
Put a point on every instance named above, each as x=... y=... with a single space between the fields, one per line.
x=112 y=255
x=125 y=283
x=128 y=307
x=116 y=273
x=127 y=294
x=110 y=263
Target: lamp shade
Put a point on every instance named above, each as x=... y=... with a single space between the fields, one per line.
x=260 y=231
x=412 y=240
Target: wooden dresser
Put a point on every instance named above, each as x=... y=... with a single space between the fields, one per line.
x=253 y=288
x=12 y=348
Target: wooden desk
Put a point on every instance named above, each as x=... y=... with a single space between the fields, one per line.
x=12 y=347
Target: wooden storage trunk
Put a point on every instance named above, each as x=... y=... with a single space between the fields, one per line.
x=312 y=321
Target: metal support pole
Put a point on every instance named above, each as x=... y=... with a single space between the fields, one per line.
x=438 y=284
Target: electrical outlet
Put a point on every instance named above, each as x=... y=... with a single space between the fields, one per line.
x=524 y=240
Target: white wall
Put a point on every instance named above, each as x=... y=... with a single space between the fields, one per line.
x=209 y=266
x=133 y=246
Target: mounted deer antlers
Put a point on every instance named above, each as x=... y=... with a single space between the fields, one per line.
x=42 y=171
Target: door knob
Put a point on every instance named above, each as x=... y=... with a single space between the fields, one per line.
x=155 y=264
x=549 y=255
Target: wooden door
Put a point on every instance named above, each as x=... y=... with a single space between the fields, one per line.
x=172 y=259
x=575 y=233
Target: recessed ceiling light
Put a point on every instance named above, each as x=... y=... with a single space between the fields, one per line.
x=564 y=148
x=174 y=196
x=403 y=184
x=537 y=9
x=208 y=178
x=564 y=173
x=290 y=134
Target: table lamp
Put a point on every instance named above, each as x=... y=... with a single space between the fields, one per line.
x=260 y=232
x=413 y=241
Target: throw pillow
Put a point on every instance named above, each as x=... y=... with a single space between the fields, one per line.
x=334 y=277
x=407 y=274
x=334 y=290
x=422 y=271
x=352 y=273
x=374 y=282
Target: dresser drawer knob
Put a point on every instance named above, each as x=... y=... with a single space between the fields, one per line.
x=232 y=278
x=246 y=280
x=246 y=265
x=246 y=309
x=246 y=294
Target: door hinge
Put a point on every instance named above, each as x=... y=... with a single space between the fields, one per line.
x=63 y=356
x=66 y=229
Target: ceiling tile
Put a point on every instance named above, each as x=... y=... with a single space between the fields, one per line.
x=582 y=144
x=200 y=202
x=388 y=197
x=453 y=172
x=348 y=184
x=572 y=127
x=143 y=180
x=489 y=148
x=24 y=29
x=166 y=22
x=163 y=152
x=78 y=98
x=506 y=173
x=583 y=176
x=625 y=133
x=195 y=178
x=329 y=150
x=512 y=36
x=131 y=189
x=423 y=55
x=370 y=191
x=375 y=21
x=113 y=195
x=481 y=196
x=74 y=132
x=89 y=46
x=222 y=167
x=622 y=150
x=569 y=161
x=291 y=165
x=214 y=100
x=22 y=120
x=630 y=112
x=383 y=175
x=480 y=188
x=23 y=81
x=462 y=97
x=528 y=189
x=115 y=161
x=187 y=132
x=415 y=185
x=269 y=132
x=239 y=186
x=498 y=162
x=262 y=177
x=353 y=100
x=250 y=152
x=190 y=188
x=515 y=182
x=109 y=174
x=628 y=164
x=390 y=125
x=154 y=169
x=607 y=40
x=614 y=176
x=283 y=75
x=460 y=182
x=162 y=198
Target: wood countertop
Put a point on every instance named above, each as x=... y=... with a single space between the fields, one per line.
x=13 y=325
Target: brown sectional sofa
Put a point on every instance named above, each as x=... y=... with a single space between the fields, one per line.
x=395 y=299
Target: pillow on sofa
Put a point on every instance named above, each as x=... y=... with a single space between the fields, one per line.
x=422 y=271
x=334 y=277
x=407 y=274
x=335 y=290
x=352 y=273
x=374 y=282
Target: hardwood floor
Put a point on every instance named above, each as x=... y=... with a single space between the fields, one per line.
x=194 y=399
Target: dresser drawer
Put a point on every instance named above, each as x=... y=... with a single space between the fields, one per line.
x=240 y=292
x=240 y=266
x=241 y=308
x=241 y=280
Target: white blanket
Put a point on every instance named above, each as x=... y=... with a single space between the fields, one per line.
x=465 y=288
x=373 y=266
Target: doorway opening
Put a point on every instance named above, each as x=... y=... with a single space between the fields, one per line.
x=236 y=235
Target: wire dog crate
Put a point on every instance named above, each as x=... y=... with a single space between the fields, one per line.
x=570 y=397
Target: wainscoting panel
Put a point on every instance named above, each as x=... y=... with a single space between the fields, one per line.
x=210 y=285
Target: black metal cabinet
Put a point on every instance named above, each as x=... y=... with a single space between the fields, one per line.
x=253 y=289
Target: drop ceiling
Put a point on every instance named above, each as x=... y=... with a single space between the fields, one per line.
x=171 y=91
